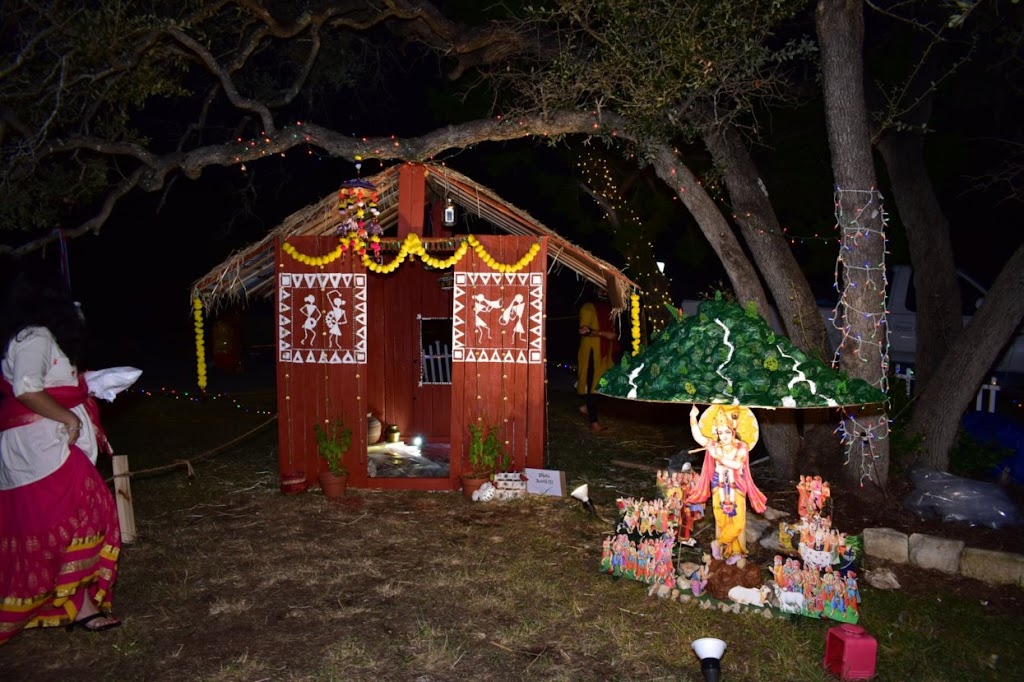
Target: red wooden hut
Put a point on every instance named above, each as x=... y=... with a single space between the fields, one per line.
x=426 y=349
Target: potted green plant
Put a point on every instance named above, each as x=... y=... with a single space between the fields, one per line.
x=486 y=456
x=333 y=439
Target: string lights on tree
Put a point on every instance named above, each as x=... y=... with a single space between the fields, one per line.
x=633 y=235
x=859 y=433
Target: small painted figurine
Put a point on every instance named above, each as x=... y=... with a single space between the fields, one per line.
x=802 y=494
x=691 y=511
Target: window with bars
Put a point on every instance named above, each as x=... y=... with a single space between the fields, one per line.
x=435 y=350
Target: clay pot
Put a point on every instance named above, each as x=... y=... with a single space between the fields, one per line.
x=373 y=429
x=471 y=483
x=293 y=483
x=333 y=486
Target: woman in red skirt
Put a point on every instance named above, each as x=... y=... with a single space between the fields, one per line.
x=59 y=532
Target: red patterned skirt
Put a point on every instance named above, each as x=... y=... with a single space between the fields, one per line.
x=59 y=541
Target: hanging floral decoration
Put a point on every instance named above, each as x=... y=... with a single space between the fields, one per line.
x=357 y=204
x=501 y=267
x=634 y=316
x=314 y=260
x=360 y=232
x=411 y=245
x=197 y=313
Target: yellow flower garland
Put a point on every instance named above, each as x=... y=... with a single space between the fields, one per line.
x=501 y=267
x=197 y=313
x=413 y=245
x=403 y=252
x=314 y=260
x=634 y=314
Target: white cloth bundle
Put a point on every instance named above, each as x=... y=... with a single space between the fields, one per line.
x=107 y=383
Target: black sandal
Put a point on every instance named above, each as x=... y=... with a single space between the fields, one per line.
x=84 y=623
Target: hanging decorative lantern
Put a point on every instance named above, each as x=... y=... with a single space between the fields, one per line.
x=449 y=214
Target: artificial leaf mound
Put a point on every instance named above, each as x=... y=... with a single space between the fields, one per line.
x=726 y=354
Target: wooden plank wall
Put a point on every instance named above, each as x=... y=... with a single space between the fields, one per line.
x=498 y=374
x=397 y=301
x=320 y=375
x=373 y=364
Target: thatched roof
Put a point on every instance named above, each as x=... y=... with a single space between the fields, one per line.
x=249 y=273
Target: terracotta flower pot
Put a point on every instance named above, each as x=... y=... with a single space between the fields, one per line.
x=333 y=486
x=471 y=483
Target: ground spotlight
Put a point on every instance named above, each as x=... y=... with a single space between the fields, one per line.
x=709 y=650
x=583 y=495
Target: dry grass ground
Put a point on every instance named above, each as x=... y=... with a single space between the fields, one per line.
x=230 y=580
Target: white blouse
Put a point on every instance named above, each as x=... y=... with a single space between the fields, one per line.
x=33 y=451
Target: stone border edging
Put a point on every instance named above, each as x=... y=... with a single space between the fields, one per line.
x=952 y=557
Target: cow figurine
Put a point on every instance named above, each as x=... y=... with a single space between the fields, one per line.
x=754 y=596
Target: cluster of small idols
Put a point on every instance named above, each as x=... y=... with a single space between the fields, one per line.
x=816 y=580
x=814 y=497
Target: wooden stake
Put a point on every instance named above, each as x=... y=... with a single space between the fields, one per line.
x=123 y=494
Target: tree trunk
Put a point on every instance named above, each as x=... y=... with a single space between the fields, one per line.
x=755 y=215
x=840 y=28
x=939 y=318
x=780 y=439
x=955 y=382
x=794 y=300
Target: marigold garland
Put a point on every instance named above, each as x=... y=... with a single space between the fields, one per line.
x=314 y=260
x=197 y=313
x=501 y=267
x=411 y=245
x=634 y=314
x=403 y=253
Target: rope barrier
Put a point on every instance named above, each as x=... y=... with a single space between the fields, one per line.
x=187 y=463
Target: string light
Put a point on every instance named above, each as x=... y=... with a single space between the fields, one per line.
x=199 y=398
x=639 y=248
x=853 y=233
x=713 y=186
x=858 y=434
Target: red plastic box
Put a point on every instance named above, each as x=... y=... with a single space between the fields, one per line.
x=850 y=652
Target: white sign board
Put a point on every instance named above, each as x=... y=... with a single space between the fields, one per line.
x=545 y=482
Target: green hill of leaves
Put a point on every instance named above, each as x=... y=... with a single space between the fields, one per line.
x=727 y=354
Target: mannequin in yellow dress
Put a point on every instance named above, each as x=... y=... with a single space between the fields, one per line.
x=598 y=339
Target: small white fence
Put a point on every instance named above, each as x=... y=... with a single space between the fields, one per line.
x=989 y=390
x=437 y=364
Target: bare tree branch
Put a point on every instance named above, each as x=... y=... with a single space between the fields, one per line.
x=92 y=225
x=153 y=175
x=225 y=80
